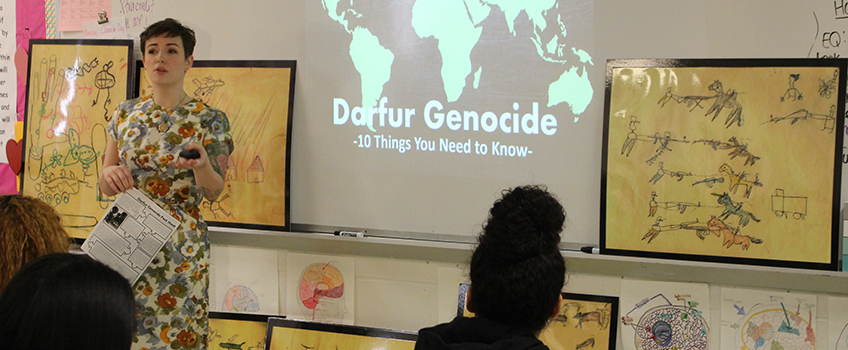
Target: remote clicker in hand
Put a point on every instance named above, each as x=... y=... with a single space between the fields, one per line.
x=190 y=154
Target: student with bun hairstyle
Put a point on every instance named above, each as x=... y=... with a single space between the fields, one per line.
x=517 y=275
x=66 y=301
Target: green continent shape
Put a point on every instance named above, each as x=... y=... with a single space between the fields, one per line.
x=374 y=64
x=572 y=87
x=534 y=9
x=370 y=59
x=453 y=26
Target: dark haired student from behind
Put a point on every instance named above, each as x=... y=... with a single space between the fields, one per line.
x=66 y=301
x=517 y=275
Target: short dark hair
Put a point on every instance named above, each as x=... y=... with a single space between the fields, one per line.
x=82 y=303
x=170 y=28
x=517 y=271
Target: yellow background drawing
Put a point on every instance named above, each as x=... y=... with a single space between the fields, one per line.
x=300 y=339
x=566 y=332
x=248 y=335
x=73 y=90
x=256 y=101
x=793 y=137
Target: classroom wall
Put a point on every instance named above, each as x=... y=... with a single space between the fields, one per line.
x=399 y=282
x=322 y=173
x=397 y=288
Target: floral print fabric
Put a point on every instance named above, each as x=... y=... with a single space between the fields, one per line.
x=172 y=294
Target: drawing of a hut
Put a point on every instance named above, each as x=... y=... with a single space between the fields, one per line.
x=256 y=172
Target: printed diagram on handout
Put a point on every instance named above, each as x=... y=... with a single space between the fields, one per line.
x=133 y=230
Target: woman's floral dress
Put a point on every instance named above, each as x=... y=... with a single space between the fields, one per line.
x=172 y=295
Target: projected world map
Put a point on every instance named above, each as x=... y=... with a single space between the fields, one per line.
x=532 y=33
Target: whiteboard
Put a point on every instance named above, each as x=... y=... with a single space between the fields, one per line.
x=569 y=165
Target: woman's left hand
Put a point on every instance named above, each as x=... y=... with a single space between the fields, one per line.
x=193 y=164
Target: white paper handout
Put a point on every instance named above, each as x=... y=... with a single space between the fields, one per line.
x=133 y=230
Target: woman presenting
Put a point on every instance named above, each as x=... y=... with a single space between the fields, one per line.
x=148 y=134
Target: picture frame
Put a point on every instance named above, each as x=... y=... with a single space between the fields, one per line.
x=288 y=334
x=229 y=330
x=258 y=99
x=567 y=330
x=73 y=87
x=724 y=160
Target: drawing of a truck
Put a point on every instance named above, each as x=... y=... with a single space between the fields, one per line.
x=784 y=206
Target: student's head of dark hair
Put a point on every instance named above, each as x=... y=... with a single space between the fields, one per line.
x=29 y=228
x=170 y=28
x=517 y=271
x=67 y=301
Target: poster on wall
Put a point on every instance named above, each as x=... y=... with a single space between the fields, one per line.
x=286 y=334
x=237 y=331
x=735 y=160
x=664 y=315
x=754 y=319
x=73 y=88
x=837 y=321
x=258 y=99
x=584 y=321
x=244 y=280
x=321 y=288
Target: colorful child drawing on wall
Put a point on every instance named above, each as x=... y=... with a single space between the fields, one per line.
x=321 y=292
x=668 y=326
x=240 y=299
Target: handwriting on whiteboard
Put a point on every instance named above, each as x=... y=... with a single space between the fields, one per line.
x=136 y=12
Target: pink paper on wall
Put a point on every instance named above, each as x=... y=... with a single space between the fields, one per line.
x=30 y=24
x=73 y=12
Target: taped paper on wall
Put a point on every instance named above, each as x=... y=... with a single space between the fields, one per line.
x=133 y=230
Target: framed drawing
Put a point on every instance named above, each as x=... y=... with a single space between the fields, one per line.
x=584 y=321
x=733 y=160
x=285 y=334
x=73 y=88
x=237 y=331
x=258 y=98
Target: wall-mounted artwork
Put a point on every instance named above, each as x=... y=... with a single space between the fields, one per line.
x=73 y=88
x=763 y=319
x=229 y=331
x=244 y=280
x=664 y=315
x=258 y=98
x=286 y=334
x=724 y=160
x=584 y=321
x=837 y=322
x=320 y=288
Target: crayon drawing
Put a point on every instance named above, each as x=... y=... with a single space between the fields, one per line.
x=837 y=321
x=286 y=334
x=237 y=331
x=320 y=288
x=584 y=321
x=244 y=280
x=73 y=88
x=257 y=97
x=724 y=160
x=664 y=315
x=755 y=319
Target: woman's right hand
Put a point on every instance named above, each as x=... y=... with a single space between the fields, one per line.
x=118 y=178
